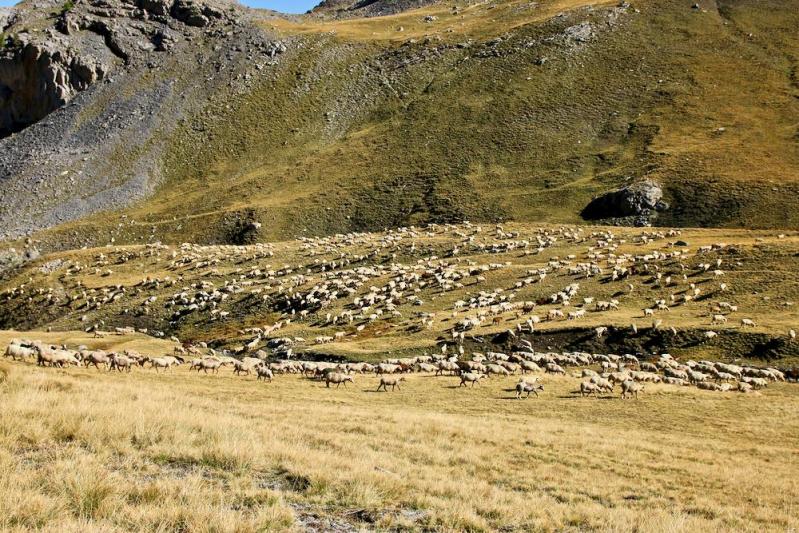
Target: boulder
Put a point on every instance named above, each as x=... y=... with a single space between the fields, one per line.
x=639 y=201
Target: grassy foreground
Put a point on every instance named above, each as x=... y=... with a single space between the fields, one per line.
x=82 y=450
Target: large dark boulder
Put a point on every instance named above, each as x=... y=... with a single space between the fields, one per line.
x=634 y=204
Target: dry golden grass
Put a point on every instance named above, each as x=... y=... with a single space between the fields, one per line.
x=83 y=450
x=479 y=20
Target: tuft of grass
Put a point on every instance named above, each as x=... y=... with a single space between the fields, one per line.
x=5 y=372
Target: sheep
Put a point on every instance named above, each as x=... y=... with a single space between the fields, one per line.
x=709 y=385
x=696 y=377
x=96 y=358
x=240 y=368
x=263 y=372
x=120 y=362
x=426 y=367
x=447 y=366
x=394 y=382
x=744 y=387
x=54 y=357
x=470 y=377
x=602 y=383
x=676 y=373
x=747 y=322
x=497 y=369
x=618 y=377
x=554 y=368
x=210 y=364
x=337 y=378
x=631 y=388
x=718 y=319
x=648 y=367
x=757 y=383
x=676 y=381
x=588 y=388
x=529 y=366
x=18 y=352
x=161 y=362
x=524 y=386
x=385 y=368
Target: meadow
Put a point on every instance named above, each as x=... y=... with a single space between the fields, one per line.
x=86 y=450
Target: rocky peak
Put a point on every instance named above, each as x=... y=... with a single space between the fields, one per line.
x=51 y=54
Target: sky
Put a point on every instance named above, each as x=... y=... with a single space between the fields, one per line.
x=286 y=6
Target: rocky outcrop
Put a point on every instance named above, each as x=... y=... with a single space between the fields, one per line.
x=38 y=77
x=90 y=95
x=5 y=17
x=635 y=204
x=368 y=8
x=42 y=71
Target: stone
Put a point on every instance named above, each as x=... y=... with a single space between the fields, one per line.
x=640 y=200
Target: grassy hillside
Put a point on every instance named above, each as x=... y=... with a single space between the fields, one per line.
x=491 y=112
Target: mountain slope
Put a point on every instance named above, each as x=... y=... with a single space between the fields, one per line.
x=489 y=112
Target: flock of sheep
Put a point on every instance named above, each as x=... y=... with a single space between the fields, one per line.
x=360 y=286
x=626 y=371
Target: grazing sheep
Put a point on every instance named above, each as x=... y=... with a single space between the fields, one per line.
x=747 y=322
x=554 y=368
x=497 y=369
x=588 y=388
x=618 y=377
x=19 y=352
x=210 y=364
x=385 y=368
x=120 y=362
x=676 y=373
x=648 y=367
x=525 y=387
x=630 y=388
x=338 y=378
x=263 y=372
x=447 y=366
x=470 y=377
x=529 y=366
x=745 y=387
x=426 y=367
x=676 y=381
x=602 y=383
x=719 y=319
x=393 y=381
x=161 y=362
x=96 y=358
x=696 y=377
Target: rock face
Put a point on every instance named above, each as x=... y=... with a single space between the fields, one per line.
x=37 y=77
x=43 y=70
x=90 y=94
x=635 y=204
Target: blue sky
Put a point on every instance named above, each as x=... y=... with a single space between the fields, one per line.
x=286 y=6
